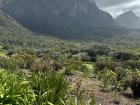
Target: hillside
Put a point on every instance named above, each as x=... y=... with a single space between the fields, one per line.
x=63 y=19
x=98 y=64
x=13 y=34
x=129 y=20
x=10 y=29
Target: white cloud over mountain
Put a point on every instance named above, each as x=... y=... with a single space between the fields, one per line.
x=117 y=7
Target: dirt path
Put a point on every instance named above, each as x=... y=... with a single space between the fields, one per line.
x=102 y=98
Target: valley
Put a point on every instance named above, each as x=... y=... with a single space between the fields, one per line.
x=72 y=54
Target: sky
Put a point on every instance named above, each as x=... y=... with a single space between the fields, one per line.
x=117 y=7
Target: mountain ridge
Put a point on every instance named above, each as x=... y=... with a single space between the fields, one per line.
x=128 y=20
x=65 y=18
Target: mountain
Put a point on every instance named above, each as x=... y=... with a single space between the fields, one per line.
x=61 y=18
x=129 y=20
x=8 y=26
x=11 y=32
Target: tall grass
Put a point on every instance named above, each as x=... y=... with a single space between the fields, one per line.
x=14 y=90
x=49 y=88
x=42 y=88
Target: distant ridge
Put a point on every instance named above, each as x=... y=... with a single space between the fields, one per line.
x=129 y=20
x=62 y=18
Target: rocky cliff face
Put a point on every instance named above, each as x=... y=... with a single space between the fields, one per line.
x=128 y=20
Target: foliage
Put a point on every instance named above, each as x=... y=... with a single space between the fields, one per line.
x=123 y=56
x=108 y=78
x=122 y=77
x=134 y=83
x=115 y=80
x=45 y=88
x=74 y=101
x=116 y=61
x=16 y=61
x=105 y=63
x=49 y=87
x=15 y=90
x=72 y=65
x=133 y=64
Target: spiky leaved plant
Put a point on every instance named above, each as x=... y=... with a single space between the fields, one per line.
x=49 y=88
x=14 y=90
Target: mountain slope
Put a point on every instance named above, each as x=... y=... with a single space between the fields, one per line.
x=65 y=18
x=10 y=28
x=128 y=20
x=14 y=35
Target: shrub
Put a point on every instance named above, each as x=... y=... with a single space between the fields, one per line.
x=122 y=77
x=123 y=56
x=9 y=63
x=105 y=63
x=71 y=66
x=14 y=90
x=40 y=65
x=102 y=50
x=49 y=88
x=91 y=52
x=98 y=50
x=109 y=78
x=73 y=51
x=75 y=101
x=132 y=64
x=24 y=60
x=45 y=88
x=68 y=70
x=87 y=70
x=46 y=65
x=134 y=83
x=115 y=80
x=16 y=61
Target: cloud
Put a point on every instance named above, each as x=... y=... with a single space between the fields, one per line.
x=117 y=7
x=106 y=3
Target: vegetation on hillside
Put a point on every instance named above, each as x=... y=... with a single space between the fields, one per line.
x=38 y=75
x=39 y=70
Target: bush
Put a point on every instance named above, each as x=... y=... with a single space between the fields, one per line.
x=122 y=77
x=49 y=88
x=115 y=80
x=45 y=88
x=105 y=63
x=72 y=65
x=102 y=50
x=40 y=65
x=98 y=50
x=123 y=56
x=24 y=60
x=46 y=65
x=132 y=64
x=134 y=83
x=9 y=63
x=109 y=78
x=16 y=61
x=15 y=90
